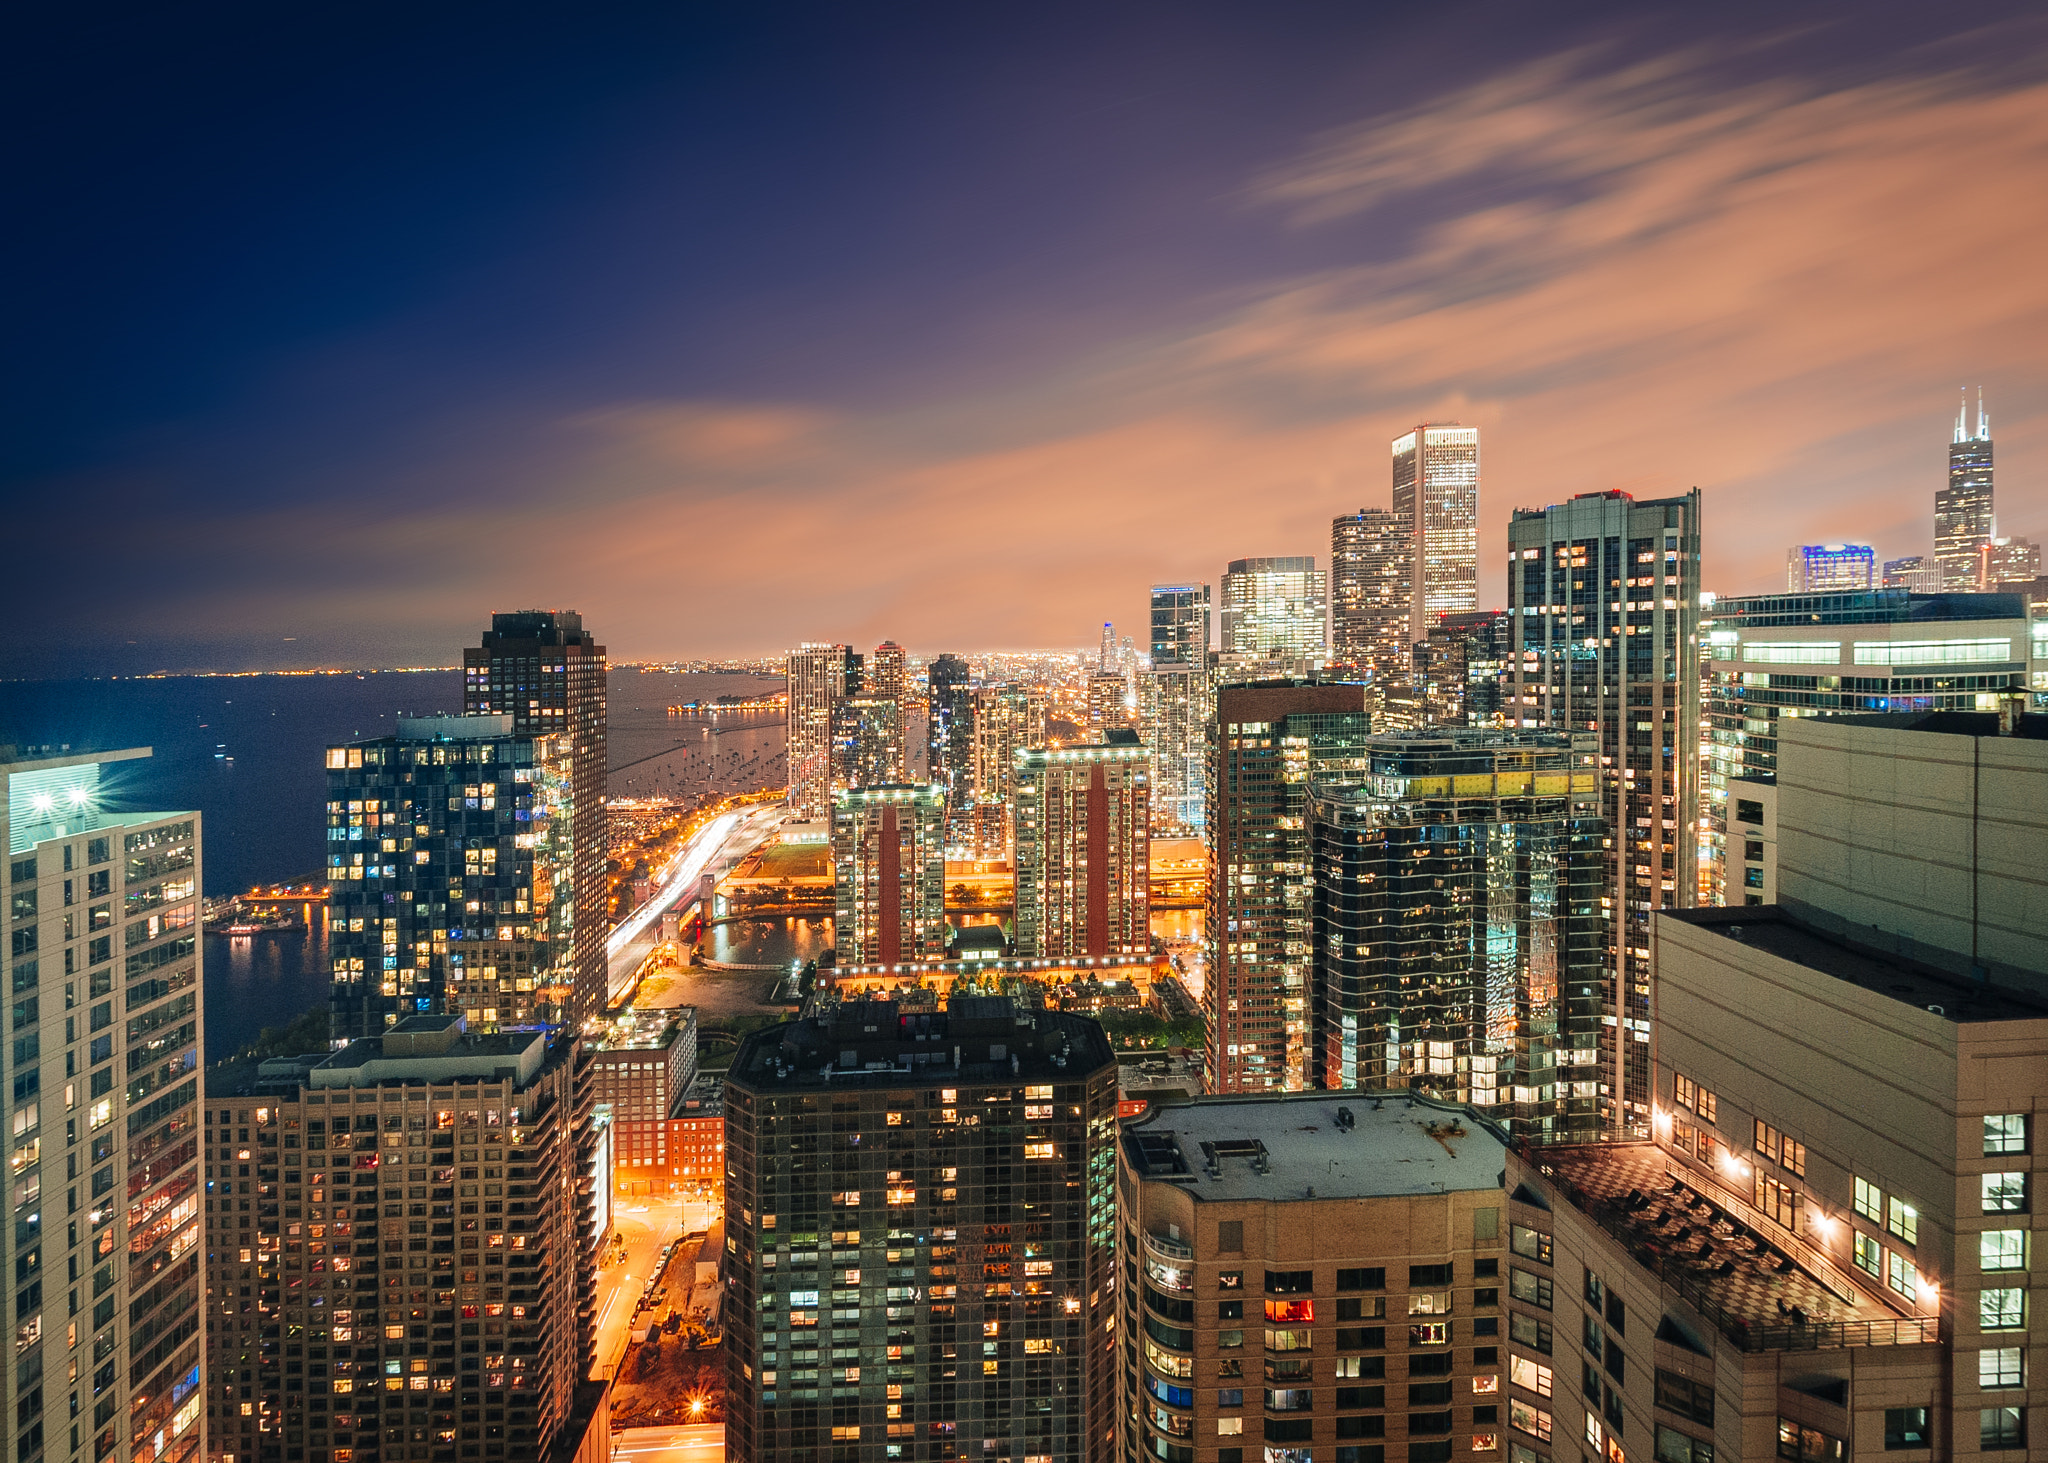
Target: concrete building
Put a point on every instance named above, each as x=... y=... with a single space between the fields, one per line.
x=820 y=676
x=1083 y=839
x=867 y=741
x=1965 y=515
x=1916 y=572
x=1358 y=1236
x=1460 y=670
x=1830 y=568
x=1109 y=702
x=889 y=873
x=1006 y=720
x=1436 y=497
x=1180 y=624
x=548 y=673
x=2008 y=561
x=949 y=726
x=1176 y=705
x=1372 y=583
x=451 y=875
x=1752 y=841
x=421 y=1259
x=1460 y=931
x=1604 y=592
x=944 y=1284
x=1271 y=741
x=1768 y=660
x=100 y=1076
x=640 y=1068
x=1275 y=607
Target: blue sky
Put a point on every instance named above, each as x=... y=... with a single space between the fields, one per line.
x=332 y=331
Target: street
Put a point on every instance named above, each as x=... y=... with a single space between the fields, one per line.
x=645 y=1224
x=697 y=1443
x=721 y=843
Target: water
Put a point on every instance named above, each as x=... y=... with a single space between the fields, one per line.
x=246 y=752
x=768 y=941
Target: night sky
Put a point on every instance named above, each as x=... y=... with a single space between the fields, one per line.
x=330 y=329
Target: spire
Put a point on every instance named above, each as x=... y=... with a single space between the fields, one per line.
x=1962 y=411
x=1983 y=419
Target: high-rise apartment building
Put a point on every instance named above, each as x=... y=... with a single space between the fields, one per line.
x=1344 y=1252
x=450 y=873
x=1604 y=592
x=1176 y=702
x=1372 y=574
x=1770 y=658
x=1083 y=841
x=1461 y=670
x=1006 y=720
x=1180 y=624
x=420 y=1274
x=1275 y=607
x=548 y=673
x=889 y=873
x=2008 y=561
x=100 y=1075
x=1965 y=517
x=1106 y=658
x=1460 y=924
x=949 y=725
x=867 y=741
x=943 y=1285
x=1270 y=742
x=1916 y=572
x=1436 y=496
x=819 y=677
x=1830 y=568
x=1109 y=701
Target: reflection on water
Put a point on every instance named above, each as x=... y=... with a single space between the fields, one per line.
x=768 y=941
x=1177 y=924
x=254 y=981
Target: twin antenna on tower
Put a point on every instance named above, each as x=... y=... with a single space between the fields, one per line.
x=1983 y=433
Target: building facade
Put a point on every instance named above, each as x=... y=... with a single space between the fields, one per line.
x=1007 y=719
x=1604 y=592
x=1176 y=704
x=1767 y=659
x=1372 y=574
x=1344 y=1251
x=1270 y=742
x=889 y=873
x=1180 y=624
x=548 y=673
x=867 y=741
x=1916 y=572
x=101 y=1078
x=1965 y=515
x=420 y=1261
x=819 y=678
x=644 y=1062
x=477 y=913
x=949 y=725
x=943 y=1285
x=1083 y=839
x=1436 y=497
x=1460 y=932
x=1830 y=568
x=1460 y=673
x=1275 y=607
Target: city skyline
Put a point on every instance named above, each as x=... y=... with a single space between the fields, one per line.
x=1239 y=292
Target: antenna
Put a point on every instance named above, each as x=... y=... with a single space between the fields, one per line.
x=1983 y=418
x=1962 y=410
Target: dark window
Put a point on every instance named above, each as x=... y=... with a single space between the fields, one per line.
x=1429 y=1422
x=1362 y=1338
x=2002 y=1427
x=1749 y=811
x=1430 y=1364
x=1290 y=1282
x=1361 y=1397
x=1485 y=1269
x=1429 y=1394
x=1290 y=1429
x=1427 y=1277
x=1687 y=1398
x=1428 y=1452
x=1372 y=1453
x=1361 y=1427
x=1361 y=1310
x=1530 y=1332
x=1752 y=878
x=1615 y=1361
x=1362 y=1279
x=1905 y=1427
x=1230 y=1310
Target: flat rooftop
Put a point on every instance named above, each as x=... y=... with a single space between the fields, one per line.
x=2031 y=726
x=1294 y=1147
x=884 y=1043
x=1777 y=931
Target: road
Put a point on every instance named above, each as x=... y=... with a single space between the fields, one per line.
x=721 y=843
x=698 y=1443
x=646 y=1224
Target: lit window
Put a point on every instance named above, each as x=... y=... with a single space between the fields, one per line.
x=2004 y=1367
x=2002 y=1249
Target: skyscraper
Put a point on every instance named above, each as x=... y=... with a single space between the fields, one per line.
x=1106 y=659
x=867 y=741
x=1274 y=607
x=820 y=676
x=1916 y=572
x=450 y=875
x=1436 y=494
x=1176 y=701
x=101 y=1076
x=2008 y=561
x=1460 y=938
x=548 y=672
x=889 y=873
x=366 y=1141
x=867 y=1316
x=1180 y=624
x=1109 y=702
x=1083 y=841
x=949 y=725
x=1964 y=514
x=1461 y=669
x=1007 y=719
x=1372 y=572
x=1826 y=568
x=1269 y=742
x=1604 y=593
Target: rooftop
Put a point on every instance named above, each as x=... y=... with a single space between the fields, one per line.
x=434 y=1049
x=1777 y=931
x=645 y=1030
x=876 y=1043
x=2031 y=726
x=1303 y=1147
x=1707 y=1244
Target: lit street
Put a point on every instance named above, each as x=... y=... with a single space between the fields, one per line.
x=698 y=1443
x=721 y=843
x=645 y=1224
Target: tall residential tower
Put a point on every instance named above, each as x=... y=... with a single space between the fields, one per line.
x=1436 y=496
x=820 y=676
x=1274 y=608
x=1372 y=570
x=1083 y=841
